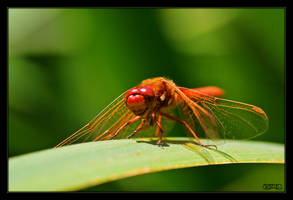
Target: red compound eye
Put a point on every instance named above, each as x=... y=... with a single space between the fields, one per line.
x=142 y=91
x=136 y=103
x=146 y=91
x=134 y=99
x=137 y=99
x=131 y=91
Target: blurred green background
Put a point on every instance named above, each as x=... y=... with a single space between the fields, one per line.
x=66 y=65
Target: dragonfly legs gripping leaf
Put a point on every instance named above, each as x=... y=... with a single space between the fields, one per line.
x=190 y=130
x=159 y=142
x=159 y=128
x=139 y=128
x=124 y=125
x=185 y=124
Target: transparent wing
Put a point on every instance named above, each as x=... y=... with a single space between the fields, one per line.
x=104 y=125
x=217 y=118
x=109 y=120
x=240 y=120
x=221 y=118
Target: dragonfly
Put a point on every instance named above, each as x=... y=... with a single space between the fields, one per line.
x=154 y=101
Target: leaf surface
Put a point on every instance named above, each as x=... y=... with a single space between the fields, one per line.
x=79 y=166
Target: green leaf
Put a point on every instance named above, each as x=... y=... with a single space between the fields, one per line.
x=83 y=165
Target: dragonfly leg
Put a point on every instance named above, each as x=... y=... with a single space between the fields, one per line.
x=139 y=128
x=185 y=124
x=159 y=142
x=124 y=125
x=158 y=128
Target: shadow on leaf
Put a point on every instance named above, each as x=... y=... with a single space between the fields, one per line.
x=202 y=151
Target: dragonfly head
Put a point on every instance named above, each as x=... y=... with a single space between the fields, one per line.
x=139 y=99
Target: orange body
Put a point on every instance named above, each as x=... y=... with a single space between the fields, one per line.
x=147 y=104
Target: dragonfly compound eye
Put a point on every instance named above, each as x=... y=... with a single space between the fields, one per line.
x=137 y=99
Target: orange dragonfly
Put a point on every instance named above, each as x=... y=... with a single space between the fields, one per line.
x=154 y=101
